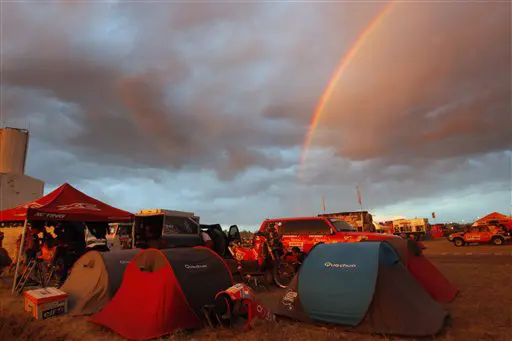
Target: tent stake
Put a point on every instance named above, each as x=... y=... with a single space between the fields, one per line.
x=20 y=253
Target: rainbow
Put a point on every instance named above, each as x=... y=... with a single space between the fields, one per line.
x=345 y=62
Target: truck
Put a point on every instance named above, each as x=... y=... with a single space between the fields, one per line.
x=305 y=232
x=416 y=228
x=162 y=228
x=119 y=236
x=361 y=220
x=272 y=244
x=480 y=234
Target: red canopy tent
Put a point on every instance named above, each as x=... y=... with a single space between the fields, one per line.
x=66 y=203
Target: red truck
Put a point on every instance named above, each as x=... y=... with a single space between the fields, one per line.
x=305 y=232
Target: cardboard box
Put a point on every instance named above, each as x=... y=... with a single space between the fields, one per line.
x=46 y=302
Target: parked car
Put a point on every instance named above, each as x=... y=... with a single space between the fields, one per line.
x=481 y=234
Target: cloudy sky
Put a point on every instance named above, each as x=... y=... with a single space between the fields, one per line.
x=205 y=106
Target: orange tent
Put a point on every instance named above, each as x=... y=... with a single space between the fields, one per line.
x=495 y=216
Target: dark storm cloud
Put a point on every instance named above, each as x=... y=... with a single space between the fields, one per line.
x=430 y=84
x=148 y=118
x=166 y=97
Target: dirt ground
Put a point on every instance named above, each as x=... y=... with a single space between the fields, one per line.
x=482 y=311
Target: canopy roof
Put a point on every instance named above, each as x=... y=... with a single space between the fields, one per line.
x=66 y=203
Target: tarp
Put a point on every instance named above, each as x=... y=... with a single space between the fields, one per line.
x=165 y=290
x=95 y=279
x=66 y=203
x=395 y=305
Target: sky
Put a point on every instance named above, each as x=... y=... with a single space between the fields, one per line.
x=205 y=106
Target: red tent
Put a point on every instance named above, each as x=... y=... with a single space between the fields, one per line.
x=165 y=290
x=66 y=203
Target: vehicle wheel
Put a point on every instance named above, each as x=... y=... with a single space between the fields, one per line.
x=458 y=242
x=497 y=241
x=283 y=273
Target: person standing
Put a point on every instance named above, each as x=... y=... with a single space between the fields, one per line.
x=207 y=240
x=5 y=260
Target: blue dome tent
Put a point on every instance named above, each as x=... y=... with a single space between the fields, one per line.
x=364 y=286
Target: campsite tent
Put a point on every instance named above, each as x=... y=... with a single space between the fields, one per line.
x=165 y=290
x=65 y=203
x=94 y=280
x=427 y=275
x=496 y=218
x=364 y=286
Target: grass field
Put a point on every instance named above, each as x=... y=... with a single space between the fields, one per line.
x=482 y=311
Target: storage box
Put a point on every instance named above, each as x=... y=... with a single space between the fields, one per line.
x=45 y=303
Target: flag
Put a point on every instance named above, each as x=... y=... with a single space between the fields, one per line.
x=433 y=215
x=359 y=197
x=323 y=202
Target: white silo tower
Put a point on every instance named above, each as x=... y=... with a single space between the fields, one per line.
x=16 y=188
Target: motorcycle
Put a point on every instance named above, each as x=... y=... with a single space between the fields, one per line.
x=267 y=258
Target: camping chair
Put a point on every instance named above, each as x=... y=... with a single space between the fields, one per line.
x=250 y=272
x=211 y=316
x=47 y=258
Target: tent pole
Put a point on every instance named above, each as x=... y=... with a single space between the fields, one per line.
x=133 y=234
x=20 y=253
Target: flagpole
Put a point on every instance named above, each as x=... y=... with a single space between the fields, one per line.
x=323 y=202
x=360 y=206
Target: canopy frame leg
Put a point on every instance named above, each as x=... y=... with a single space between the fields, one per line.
x=20 y=253
x=133 y=234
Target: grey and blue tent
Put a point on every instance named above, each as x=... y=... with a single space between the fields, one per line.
x=363 y=286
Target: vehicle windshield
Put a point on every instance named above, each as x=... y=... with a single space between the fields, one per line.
x=342 y=226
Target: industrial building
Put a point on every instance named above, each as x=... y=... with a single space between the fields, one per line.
x=16 y=188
